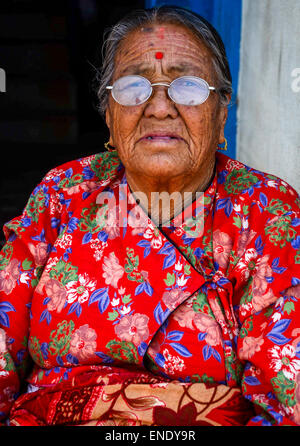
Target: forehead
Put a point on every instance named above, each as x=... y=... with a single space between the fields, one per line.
x=179 y=46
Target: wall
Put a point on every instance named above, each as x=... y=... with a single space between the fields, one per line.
x=268 y=135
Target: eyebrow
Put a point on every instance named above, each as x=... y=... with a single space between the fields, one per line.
x=142 y=69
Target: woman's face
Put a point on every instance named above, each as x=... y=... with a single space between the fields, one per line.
x=197 y=129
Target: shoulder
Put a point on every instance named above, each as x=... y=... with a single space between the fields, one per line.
x=269 y=192
x=71 y=182
x=94 y=169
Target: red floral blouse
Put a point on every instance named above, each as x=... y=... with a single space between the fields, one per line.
x=86 y=278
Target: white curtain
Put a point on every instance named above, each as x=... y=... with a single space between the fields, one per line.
x=268 y=136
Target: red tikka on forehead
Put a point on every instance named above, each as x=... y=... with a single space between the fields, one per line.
x=159 y=55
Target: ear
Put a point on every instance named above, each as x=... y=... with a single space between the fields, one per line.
x=107 y=118
x=223 y=119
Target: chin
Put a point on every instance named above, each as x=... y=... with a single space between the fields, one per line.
x=164 y=165
x=157 y=171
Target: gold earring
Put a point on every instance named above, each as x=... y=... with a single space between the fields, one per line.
x=225 y=146
x=108 y=147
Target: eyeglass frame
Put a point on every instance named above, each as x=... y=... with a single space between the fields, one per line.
x=163 y=84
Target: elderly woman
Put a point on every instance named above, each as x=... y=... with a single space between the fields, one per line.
x=157 y=283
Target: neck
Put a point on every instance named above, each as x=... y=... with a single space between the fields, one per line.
x=162 y=199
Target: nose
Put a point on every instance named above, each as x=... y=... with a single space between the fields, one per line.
x=159 y=105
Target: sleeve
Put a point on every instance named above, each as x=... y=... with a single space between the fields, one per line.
x=269 y=339
x=29 y=240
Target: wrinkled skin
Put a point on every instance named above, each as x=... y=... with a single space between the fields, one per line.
x=184 y=164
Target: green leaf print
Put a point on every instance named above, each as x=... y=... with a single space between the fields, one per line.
x=64 y=272
x=170 y=280
x=5 y=255
x=284 y=389
x=60 y=338
x=105 y=165
x=239 y=180
x=36 y=205
x=123 y=351
x=131 y=266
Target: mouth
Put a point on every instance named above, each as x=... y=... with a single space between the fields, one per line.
x=161 y=137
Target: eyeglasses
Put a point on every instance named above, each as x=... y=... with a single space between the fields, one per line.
x=135 y=90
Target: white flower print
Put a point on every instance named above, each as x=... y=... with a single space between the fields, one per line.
x=115 y=302
x=65 y=241
x=248 y=263
x=125 y=310
x=276 y=317
x=172 y=363
x=181 y=281
x=271 y=183
x=80 y=289
x=178 y=266
x=24 y=278
x=284 y=359
x=154 y=236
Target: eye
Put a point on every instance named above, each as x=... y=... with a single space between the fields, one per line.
x=136 y=84
x=188 y=84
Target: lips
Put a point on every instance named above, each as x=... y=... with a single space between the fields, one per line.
x=161 y=136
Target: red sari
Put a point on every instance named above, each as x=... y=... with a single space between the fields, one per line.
x=108 y=319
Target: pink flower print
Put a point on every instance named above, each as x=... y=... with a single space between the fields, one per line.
x=222 y=244
x=233 y=165
x=154 y=348
x=145 y=275
x=184 y=315
x=80 y=289
x=57 y=294
x=113 y=271
x=261 y=301
x=82 y=187
x=133 y=328
x=83 y=343
x=244 y=240
x=262 y=297
x=137 y=220
x=2 y=341
x=250 y=346
x=43 y=280
x=263 y=270
x=174 y=297
x=293 y=291
x=9 y=276
x=112 y=225
x=296 y=416
x=39 y=252
x=207 y=324
x=216 y=309
x=297 y=393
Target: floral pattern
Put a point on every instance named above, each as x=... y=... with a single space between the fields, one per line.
x=211 y=300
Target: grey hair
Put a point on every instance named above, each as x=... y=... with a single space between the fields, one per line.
x=164 y=14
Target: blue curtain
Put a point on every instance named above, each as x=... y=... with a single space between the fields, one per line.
x=225 y=16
